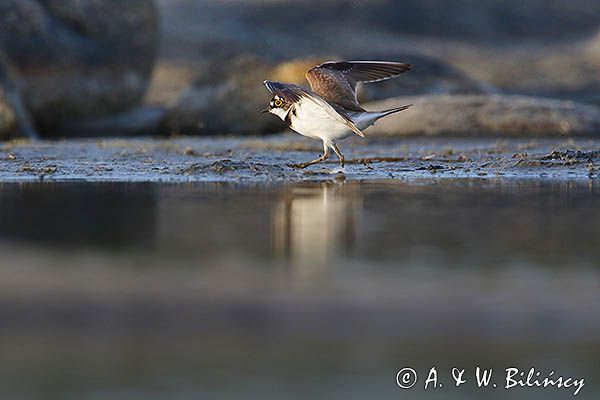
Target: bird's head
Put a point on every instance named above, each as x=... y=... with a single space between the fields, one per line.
x=278 y=106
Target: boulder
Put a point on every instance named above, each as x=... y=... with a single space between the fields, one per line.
x=7 y=118
x=486 y=115
x=429 y=75
x=297 y=30
x=14 y=116
x=227 y=96
x=593 y=48
x=566 y=69
x=69 y=60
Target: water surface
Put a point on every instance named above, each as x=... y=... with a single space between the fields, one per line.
x=320 y=290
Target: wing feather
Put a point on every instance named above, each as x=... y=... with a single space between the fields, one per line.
x=336 y=81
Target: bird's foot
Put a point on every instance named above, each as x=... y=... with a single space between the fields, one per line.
x=303 y=165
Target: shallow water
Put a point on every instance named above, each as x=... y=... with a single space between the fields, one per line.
x=310 y=290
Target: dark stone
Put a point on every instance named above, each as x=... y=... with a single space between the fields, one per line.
x=68 y=59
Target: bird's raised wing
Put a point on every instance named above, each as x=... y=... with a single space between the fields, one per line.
x=293 y=94
x=336 y=81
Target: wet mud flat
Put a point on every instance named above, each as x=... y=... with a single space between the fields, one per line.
x=265 y=159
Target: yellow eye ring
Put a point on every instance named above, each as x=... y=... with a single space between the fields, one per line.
x=278 y=103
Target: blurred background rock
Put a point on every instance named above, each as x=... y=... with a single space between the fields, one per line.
x=67 y=60
x=214 y=55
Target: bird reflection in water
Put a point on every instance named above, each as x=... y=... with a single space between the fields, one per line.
x=315 y=224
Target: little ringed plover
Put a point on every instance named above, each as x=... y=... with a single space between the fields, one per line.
x=330 y=110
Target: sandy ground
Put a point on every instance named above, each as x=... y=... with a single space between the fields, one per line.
x=255 y=160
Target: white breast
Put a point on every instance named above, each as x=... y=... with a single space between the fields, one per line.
x=313 y=121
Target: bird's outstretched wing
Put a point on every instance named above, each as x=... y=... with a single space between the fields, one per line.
x=294 y=94
x=336 y=81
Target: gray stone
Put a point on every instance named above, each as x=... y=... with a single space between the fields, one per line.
x=227 y=98
x=481 y=115
x=7 y=117
x=567 y=69
x=69 y=60
x=428 y=75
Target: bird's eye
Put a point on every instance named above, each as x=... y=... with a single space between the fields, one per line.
x=278 y=103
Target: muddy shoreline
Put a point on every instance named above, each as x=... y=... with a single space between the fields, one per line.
x=258 y=160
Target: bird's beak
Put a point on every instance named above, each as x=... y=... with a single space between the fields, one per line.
x=266 y=110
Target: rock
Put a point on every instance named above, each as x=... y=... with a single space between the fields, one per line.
x=228 y=26
x=170 y=79
x=567 y=70
x=486 y=115
x=14 y=116
x=72 y=60
x=228 y=97
x=593 y=48
x=427 y=76
x=7 y=118
x=143 y=120
x=526 y=47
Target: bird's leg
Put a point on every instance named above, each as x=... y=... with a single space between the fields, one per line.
x=338 y=153
x=323 y=157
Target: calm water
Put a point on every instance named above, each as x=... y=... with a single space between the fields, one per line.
x=128 y=291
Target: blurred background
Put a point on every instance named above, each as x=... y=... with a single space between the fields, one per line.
x=90 y=68
x=320 y=290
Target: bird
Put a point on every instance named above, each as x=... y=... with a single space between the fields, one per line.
x=330 y=110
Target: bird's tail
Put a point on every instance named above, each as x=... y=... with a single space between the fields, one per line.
x=375 y=116
x=394 y=110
